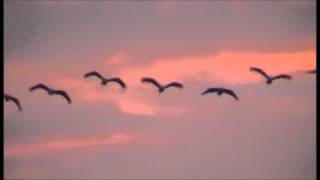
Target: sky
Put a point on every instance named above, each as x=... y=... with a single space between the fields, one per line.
x=135 y=133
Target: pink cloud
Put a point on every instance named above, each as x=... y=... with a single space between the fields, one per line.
x=225 y=67
x=20 y=150
x=133 y=101
x=222 y=68
x=118 y=58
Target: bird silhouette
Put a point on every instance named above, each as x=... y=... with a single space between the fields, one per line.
x=104 y=81
x=8 y=98
x=220 y=91
x=51 y=91
x=312 y=72
x=160 y=87
x=270 y=78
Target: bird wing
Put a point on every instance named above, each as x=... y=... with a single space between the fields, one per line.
x=260 y=71
x=152 y=81
x=119 y=81
x=94 y=73
x=210 y=90
x=13 y=99
x=282 y=76
x=39 y=86
x=231 y=93
x=64 y=94
x=174 y=84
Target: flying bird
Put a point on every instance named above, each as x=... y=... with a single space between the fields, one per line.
x=312 y=72
x=104 y=81
x=8 y=98
x=270 y=78
x=220 y=91
x=160 y=87
x=51 y=91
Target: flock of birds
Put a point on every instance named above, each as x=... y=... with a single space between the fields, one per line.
x=161 y=88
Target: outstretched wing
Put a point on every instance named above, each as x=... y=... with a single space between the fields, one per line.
x=119 y=81
x=210 y=90
x=260 y=71
x=231 y=93
x=94 y=73
x=40 y=86
x=13 y=99
x=174 y=84
x=282 y=76
x=64 y=94
x=152 y=81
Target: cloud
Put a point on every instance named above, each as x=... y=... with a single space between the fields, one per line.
x=132 y=101
x=21 y=150
x=201 y=44
x=54 y=29
x=272 y=128
x=224 y=67
x=118 y=59
x=229 y=68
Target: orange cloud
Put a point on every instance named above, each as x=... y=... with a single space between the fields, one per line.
x=225 y=67
x=221 y=68
x=18 y=150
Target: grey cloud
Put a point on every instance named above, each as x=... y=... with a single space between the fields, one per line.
x=277 y=141
x=48 y=29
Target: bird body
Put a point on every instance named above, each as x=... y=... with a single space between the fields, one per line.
x=160 y=87
x=221 y=91
x=312 y=72
x=51 y=91
x=105 y=81
x=270 y=79
x=8 y=98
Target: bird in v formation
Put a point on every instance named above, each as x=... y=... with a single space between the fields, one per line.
x=105 y=81
x=270 y=79
x=15 y=100
x=51 y=91
x=161 y=88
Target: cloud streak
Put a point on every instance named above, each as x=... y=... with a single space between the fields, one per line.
x=225 y=67
x=22 y=150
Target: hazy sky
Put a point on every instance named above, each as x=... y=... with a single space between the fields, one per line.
x=111 y=133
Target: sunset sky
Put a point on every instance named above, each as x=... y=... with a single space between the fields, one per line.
x=135 y=133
